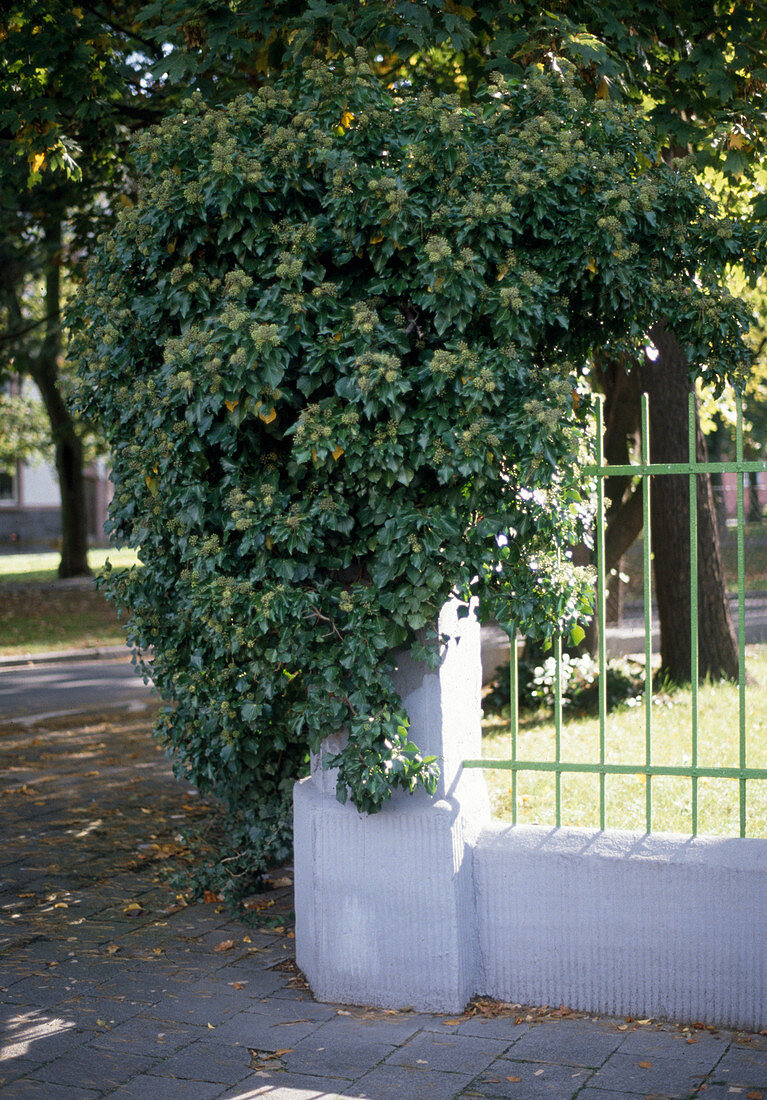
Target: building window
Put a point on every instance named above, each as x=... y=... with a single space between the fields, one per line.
x=7 y=488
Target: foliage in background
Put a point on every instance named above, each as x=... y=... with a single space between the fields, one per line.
x=334 y=349
x=24 y=431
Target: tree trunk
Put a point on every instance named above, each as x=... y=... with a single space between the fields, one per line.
x=754 y=507
x=68 y=447
x=667 y=383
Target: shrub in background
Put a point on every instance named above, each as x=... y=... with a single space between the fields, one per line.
x=335 y=347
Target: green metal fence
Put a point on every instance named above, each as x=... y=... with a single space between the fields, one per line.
x=646 y=767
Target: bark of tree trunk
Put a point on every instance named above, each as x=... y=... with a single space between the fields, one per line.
x=44 y=370
x=754 y=507
x=667 y=383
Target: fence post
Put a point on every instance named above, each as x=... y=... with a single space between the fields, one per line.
x=385 y=909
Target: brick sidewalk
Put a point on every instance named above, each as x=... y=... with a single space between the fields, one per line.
x=111 y=986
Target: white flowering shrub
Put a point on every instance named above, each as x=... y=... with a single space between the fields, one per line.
x=335 y=347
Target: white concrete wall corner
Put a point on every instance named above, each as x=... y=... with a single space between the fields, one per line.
x=385 y=903
x=623 y=923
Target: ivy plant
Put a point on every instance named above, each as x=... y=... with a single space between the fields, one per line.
x=337 y=348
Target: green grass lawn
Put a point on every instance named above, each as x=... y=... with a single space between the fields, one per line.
x=718 y=738
x=20 y=568
x=38 y=615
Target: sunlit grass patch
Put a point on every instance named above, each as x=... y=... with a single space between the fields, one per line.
x=23 y=568
x=671 y=797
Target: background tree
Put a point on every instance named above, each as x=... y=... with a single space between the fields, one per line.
x=72 y=89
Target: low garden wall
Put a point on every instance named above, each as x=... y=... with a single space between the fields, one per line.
x=429 y=902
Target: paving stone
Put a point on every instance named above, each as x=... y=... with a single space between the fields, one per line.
x=455 y=1053
x=150 y=1033
x=674 y=1044
x=389 y=1082
x=743 y=1066
x=569 y=1042
x=273 y=1030
x=202 y=1009
x=609 y=1094
x=87 y=1010
x=284 y=1086
x=12 y=1068
x=531 y=1081
x=206 y=1060
x=492 y=1027
x=146 y=1087
x=339 y=1049
x=728 y=1092
x=662 y=1075
x=95 y=1068
x=29 y=1088
x=39 y=1038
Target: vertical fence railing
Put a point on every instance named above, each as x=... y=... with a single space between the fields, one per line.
x=645 y=470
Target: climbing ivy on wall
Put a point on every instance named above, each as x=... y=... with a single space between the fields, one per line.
x=337 y=349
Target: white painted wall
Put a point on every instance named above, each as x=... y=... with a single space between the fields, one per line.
x=39 y=485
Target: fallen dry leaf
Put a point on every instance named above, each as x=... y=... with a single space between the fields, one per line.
x=513 y=1078
x=225 y=945
x=134 y=907
x=237 y=985
x=451 y=1023
x=755 y=1094
x=645 y=1065
x=112 y=948
x=691 y=1040
x=289 y=1050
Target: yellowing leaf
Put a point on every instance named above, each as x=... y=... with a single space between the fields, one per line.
x=171 y=246
x=739 y=141
x=133 y=907
x=376 y=238
x=151 y=484
x=592 y=265
x=269 y=416
x=314 y=455
x=247 y=939
x=337 y=452
x=231 y=405
x=347 y=118
x=603 y=91
x=269 y=542
x=36 y=161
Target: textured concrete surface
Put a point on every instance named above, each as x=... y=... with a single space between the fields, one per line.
x=385 y=909
x=110 y=986
x=624 y=923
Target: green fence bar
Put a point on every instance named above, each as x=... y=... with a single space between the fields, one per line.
x=514 y=715
x=601 y=608
x=646 y=470
x=692 y=450
x=558 y=727
x=647 y=557
x=741 y=612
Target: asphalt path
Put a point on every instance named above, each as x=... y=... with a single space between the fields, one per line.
x=32 y=691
